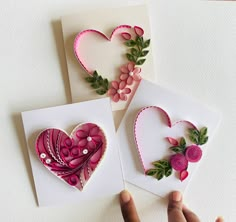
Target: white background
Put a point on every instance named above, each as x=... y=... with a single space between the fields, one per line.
x=195 y=54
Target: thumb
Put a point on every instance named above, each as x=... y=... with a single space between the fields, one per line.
x=128 y=208
x=175 y=213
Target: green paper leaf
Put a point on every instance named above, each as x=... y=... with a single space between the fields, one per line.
x=194 y=132
x=151 y=172
x=95 y=85
x=130 y=43
x=101 y=91
x=140 y=62
x=177 y=149
x=159 y=175
x=95 y=74
x=90 y=79
x=182 y=142
x=193 y=139
x=203 y=131
x=139 y=40
x=203 y=140
x=130 y=57
x=144 y=53
x=134 y=52
x=146 y=43
x=168 y=172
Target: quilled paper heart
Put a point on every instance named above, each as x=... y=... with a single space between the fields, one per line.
x=89 y=52
x=182 y=154
x=72 y=158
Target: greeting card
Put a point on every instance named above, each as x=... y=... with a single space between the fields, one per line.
x=108 y=53
x=163 y=138
x=72 y=149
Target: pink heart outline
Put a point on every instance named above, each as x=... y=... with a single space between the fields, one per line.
x=72 y=158
x=78 y=38
x=169 y=124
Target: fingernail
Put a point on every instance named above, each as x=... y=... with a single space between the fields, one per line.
x=176 y=196
x=125 y=196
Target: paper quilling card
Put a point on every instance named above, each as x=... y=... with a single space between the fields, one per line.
x=108 y=52
x=163 y=138
x=71 y=150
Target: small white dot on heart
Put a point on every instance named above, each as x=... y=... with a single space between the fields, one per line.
x=131 y=73
x=85 y=151
x=48 y=161
x=89 y=139
x=119 y=91
x=43 y=155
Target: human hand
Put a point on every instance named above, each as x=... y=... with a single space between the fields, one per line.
x=177 y=211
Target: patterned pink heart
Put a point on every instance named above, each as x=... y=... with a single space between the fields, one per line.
x=72 y=158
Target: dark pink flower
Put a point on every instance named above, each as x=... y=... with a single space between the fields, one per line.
x=118 y=91
x=130 y=73
x=193 y=153
x=179 y=162
x=88 y=136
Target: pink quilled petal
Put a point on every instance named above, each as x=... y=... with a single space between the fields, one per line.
x=115 y=84
x=123 y=97
x=91 y=145
x=86 y=128
x=97 y=138
x=183 y=175
x=124 y=76
x=81 y=134
x=131 y=66
x=122 y=85
x=124 y=69
x=129 y=80
x=137 y=77
x=138 y=30
x=126 y=35
x=127 y=91
x=137 y=70
x=172 y=141
x=83 y=142
x=111 y=92
x=116 y=98
x=94 y=131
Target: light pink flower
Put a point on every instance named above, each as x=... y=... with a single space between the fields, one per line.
x=118 y=91
x=130 y=73
x=88 y=136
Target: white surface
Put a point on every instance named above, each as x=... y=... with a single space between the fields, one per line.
x=106 y=57
x=195 y=54
x=151 y=131
x=102 y=184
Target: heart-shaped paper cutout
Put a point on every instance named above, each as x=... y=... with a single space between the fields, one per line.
x=166 y=128
x=72 y=158
x=86 y=50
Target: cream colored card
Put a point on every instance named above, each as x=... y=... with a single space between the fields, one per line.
x=100 y=54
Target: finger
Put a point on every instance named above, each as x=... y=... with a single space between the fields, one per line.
x=189 y=215
x=219 y=219
x=128 y=208
x=175 y=213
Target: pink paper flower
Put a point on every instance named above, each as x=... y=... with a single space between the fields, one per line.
x=89 y=136
x=118 y=91
x=130 y=73
x=138 y=30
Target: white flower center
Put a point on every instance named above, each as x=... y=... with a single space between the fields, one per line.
x=48 y=161
x=85 y=151
x=131 y=73
x=119 y=91
x=43 y=155
x=89 y=139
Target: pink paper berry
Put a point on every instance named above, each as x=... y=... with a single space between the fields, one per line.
x=179 y=162
x=193 y=153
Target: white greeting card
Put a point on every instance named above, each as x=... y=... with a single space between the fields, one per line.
x=108 y=51
x=49 y=144
x=161 y=125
